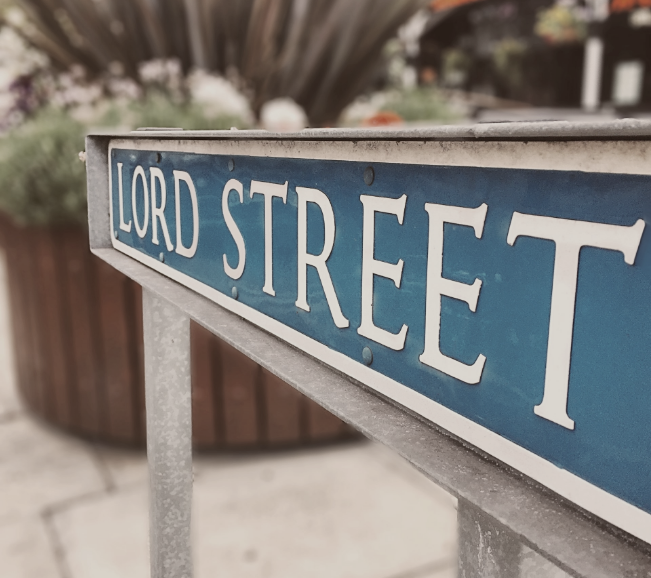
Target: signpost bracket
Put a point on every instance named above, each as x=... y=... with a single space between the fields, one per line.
x=514 y=515
x=486 y=549
x=542 y=521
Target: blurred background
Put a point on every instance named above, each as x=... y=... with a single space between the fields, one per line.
x=283 y=488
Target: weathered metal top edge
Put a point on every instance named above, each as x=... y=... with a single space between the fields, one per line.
x=612 y=129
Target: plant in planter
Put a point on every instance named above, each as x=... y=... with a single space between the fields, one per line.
x=322 y=54
x=77 y=322
x=130 y=63
x=42 y=181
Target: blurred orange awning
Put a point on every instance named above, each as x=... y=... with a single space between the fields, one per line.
x=625 y=5
x=439 y=5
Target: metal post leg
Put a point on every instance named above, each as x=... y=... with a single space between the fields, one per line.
x=169 y=431
x=486 y=550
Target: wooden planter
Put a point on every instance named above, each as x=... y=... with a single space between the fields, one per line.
x=77 y=329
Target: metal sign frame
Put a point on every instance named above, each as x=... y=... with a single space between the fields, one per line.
x=496 y=504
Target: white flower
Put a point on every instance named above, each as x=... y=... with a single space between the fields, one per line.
x=153 y=71
x=282 y=115
x=409 y=77
x=124 y=88
x=362 y=107
x=217 y=96
x=165 y=73
x=16 y=58
x=6 y=103
x=410 y=32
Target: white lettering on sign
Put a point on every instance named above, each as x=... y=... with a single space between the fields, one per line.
x=569 y=236
x=180 y=248
x=305 y=196
x=269 y=191
x=234 y=273
x=438 y=287
x=140 y=172
x=126 y=227
x=371 y=267
x=158 y=212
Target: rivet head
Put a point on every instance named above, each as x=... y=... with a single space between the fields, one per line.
x=159 y=157
x=231 y=165
x=116 y=234
x=235 y=293
x=369 y=175
x=367 y=355
x=161 y=257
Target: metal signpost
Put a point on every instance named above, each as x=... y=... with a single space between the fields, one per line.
x=476 y=298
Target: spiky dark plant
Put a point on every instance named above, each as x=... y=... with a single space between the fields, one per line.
x=321 y=53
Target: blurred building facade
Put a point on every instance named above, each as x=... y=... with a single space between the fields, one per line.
x=533 y=51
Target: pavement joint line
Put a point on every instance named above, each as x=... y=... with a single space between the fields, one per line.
x=11 y=416
x=47 y=515
x=426 y=569
x=56 y=545
x=129 y=486
x=55 y=508
x=97 y=456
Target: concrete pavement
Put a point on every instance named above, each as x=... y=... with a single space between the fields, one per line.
x=70 y=509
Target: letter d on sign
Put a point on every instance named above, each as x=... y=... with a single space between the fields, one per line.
x=180 y=248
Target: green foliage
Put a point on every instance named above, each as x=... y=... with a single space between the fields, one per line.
x=419 y=104
x=158 y=110
x=508 y=59
x=560 y=25
x=42 y=180
x=455 y=67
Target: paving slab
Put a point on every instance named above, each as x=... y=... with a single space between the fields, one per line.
x=124 y=467
x=435 y=570
x=330 y=513
x=25 y=549
x=107 y=536
x=351 y=511
x=40 y=468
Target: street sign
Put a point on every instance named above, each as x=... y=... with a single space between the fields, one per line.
x=501 y=290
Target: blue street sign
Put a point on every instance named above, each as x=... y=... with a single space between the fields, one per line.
x=510 y=306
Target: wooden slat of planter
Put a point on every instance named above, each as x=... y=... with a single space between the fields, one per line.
x=19 y=303
x=93 y=314
x=84 y=328
x=55 y=335
x=138 y=362
x=283 y=409
x=240 y=397
x=37 y=363
x=218 y=391
x=204 y=431
x=120 y=380
x=321 y=424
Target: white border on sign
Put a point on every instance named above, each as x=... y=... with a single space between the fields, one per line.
x=619 y=157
